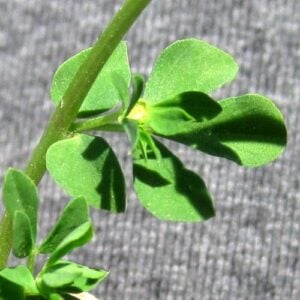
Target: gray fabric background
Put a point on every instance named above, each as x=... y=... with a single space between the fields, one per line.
x=251 y=249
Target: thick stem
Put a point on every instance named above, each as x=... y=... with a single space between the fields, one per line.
x=67 y=110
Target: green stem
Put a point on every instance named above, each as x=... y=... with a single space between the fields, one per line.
x=112 y=127
x=31 y=260
x=95 y=123
x=66 y=112
x=5 y=239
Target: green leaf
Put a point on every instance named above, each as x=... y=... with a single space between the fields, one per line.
x=22 y=240
x=55 y=297
x=68 y=277
x=58 y=278
x=138 y=84
x=189 y=65
x=86 y=166
x=20 y=276
x=78 y=237
x=20 y=194
x=122 y=87
x=73 y=215
x=104 y=94
x=168 y=190
x=10 y=290
x=250 y=131
x=169 y=117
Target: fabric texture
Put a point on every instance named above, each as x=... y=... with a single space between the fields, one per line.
x=250 y=250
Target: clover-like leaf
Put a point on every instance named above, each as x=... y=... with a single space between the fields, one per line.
x=73 y=215
x=87 y=166
x=189 y=65
x=171 y=116
x=69 y=277
x=167 y=189
x=20 y=194
x=250 y=130
x=22 y=239
x=103 y=95
x=78 y=237
x=20 y=276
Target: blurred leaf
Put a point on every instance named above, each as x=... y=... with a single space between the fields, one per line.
x=89 y=278
x=86 y=165
x=10 y=290
x=78 y=237
x=189 y=65
x=131 y=129
x=73 y=215
x=68 y=277
x=250 y=131
x=168 y=190
x=21 y=277
x=103 y=95
x=22 y=239
x=84 y=296
x=20 y=194
x=55 y=297
x=58 y=278
x=169 y=117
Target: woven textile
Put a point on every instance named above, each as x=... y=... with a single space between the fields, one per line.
x=251 y=249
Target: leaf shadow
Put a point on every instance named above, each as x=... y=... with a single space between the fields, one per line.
x=252 y=128
x=193 y=187
x=149 y=177
x=95 y=149
x=111 y=187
